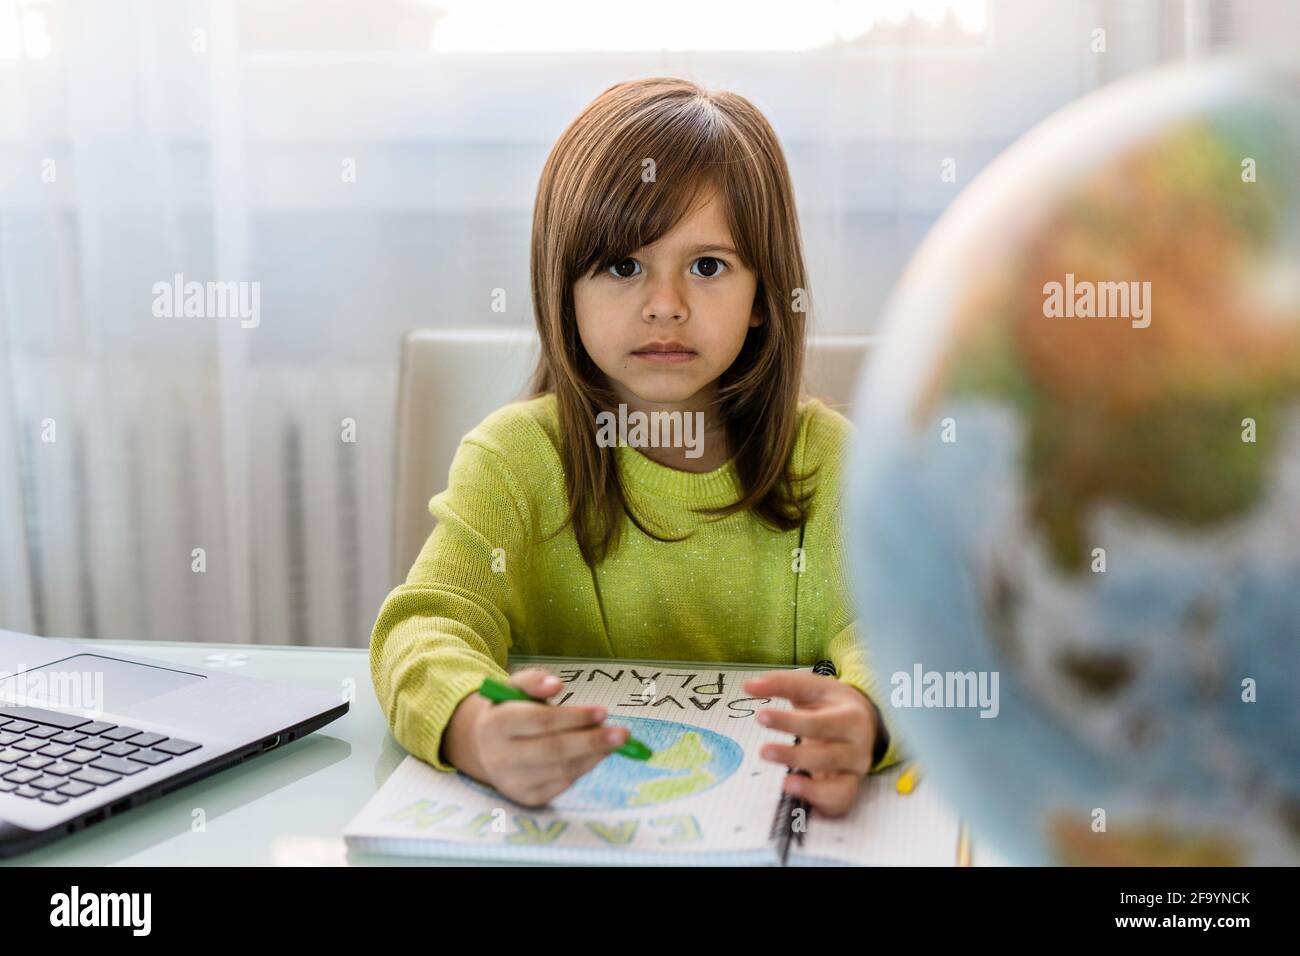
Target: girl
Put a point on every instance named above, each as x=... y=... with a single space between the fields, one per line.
x=667 y=277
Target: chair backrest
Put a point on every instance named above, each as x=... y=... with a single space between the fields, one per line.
x=452 y=379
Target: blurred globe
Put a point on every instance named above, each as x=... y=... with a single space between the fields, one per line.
x=1092 y=493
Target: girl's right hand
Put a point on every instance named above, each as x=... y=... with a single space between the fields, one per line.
x=531 y=753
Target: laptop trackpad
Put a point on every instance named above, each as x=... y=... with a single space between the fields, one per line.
x=91 y=682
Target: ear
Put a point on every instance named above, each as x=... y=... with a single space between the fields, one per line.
x=755 y=316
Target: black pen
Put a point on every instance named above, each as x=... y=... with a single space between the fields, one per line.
x=789 y=804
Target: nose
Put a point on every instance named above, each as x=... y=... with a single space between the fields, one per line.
x=664 y=299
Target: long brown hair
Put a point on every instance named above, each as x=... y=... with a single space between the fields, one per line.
x=594 y=208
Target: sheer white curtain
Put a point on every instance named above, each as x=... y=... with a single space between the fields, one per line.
x=117 y=459
x=368 y=167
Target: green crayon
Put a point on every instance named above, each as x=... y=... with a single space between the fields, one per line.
x=498 y=693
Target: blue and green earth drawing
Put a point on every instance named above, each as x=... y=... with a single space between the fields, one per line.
x=687 y=761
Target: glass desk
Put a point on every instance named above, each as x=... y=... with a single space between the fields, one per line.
x=287 y=807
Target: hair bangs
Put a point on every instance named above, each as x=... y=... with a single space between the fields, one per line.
x=653 y=178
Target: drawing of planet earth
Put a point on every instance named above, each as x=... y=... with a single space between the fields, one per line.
x=687 y=761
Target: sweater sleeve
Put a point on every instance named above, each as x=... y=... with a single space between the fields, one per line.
x=451 y=623
x=845 y=647
x=847 y=653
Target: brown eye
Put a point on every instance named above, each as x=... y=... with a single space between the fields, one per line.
x=709 y=266
x=621 y=269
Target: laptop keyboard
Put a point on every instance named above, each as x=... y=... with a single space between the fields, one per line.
x=54 y=757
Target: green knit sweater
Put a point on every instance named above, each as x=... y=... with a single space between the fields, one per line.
x=486 y=586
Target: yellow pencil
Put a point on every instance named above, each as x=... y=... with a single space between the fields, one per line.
x=963 y=845
x=908 y=779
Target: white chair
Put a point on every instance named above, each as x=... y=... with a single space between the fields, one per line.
x=451 y=380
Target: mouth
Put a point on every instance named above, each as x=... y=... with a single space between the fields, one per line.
x=666 y=353
x=665 y=358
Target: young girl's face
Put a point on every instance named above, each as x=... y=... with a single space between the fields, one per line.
x=687 y=292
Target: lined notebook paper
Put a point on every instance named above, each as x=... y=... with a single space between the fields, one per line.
x=704 y=797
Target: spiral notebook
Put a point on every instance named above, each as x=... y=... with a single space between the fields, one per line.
x=704 y=797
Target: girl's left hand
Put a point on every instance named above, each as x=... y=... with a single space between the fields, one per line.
x=837 y=727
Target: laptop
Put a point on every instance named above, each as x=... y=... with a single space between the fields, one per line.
x=86 y=734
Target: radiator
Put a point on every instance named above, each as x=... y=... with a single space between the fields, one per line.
x=110 y=512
